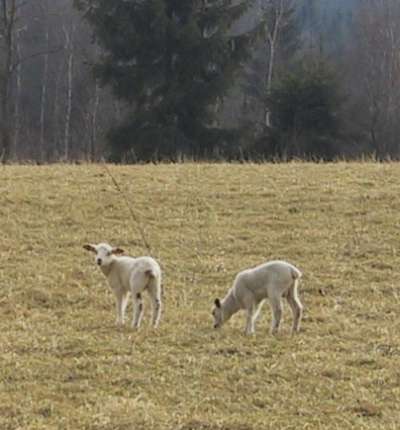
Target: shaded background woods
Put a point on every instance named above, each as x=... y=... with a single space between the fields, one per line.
x=277 y=79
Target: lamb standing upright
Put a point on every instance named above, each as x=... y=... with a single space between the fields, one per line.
x=272 y=280
x=130 y=275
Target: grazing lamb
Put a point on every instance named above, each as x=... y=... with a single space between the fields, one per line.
x=272 y=280
x=130 y=275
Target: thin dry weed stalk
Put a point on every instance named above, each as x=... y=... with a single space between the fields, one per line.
x=134 y=217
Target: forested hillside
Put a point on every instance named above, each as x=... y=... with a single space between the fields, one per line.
x=320 y=80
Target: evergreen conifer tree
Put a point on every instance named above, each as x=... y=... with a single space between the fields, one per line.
x=305 y=105
x=172 y=61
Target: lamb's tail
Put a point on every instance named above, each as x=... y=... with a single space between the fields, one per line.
x=150 y=274
x=296 y=274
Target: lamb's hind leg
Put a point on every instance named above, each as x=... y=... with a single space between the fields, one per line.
x=156 y=303
x=296 y=306
x=155 y=296
x=276 y=306
x=138 y=283
x=137 y=310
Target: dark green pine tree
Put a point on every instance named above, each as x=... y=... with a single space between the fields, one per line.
x=306 y=106
x=172 y=61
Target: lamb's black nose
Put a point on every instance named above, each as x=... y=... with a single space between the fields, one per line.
x=99 y=261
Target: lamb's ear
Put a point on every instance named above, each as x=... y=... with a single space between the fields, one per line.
x=89 y=247
x=217 y=303
x=117 y=251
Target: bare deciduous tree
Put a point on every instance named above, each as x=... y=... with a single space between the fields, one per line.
x=377 y=63
x=69 y=49
x=8 y=19
x=275 y=14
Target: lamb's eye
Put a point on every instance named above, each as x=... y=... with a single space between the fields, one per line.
x=109 y=253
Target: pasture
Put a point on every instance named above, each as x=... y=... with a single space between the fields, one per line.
x=65 y=365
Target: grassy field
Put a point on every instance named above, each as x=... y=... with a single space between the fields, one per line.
x=64 y=365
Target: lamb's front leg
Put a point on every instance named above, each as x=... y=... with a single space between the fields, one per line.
x=137 y=310
x=250 y=320
x=119 y=308
x=124 y=304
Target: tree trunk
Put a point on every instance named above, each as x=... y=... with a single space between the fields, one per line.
x=43 y=96
x=273 y=35
x=93 y=131
x=56 y=128
x=18 y=82
x=269 y=80
x=70 y=64
x=8 y=12
x=5 y=128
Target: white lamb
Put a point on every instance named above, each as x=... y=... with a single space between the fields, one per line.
x=130 y=275
x=272 y=280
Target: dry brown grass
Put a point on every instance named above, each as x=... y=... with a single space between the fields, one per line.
x=64 y=365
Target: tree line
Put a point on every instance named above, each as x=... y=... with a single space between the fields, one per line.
x=133 y=81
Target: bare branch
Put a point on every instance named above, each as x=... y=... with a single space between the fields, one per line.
x=36 y=54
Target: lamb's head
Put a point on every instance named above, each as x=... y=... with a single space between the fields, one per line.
x=104 y=253
x=218 y=314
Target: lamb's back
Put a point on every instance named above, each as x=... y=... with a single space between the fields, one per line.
x=273 y=273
